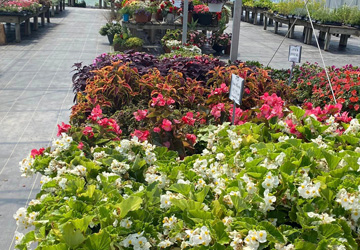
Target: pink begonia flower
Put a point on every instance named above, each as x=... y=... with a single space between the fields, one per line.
x=166 y=125
x=36 y=152
x=63 y=128
x=170 y=101
x=96 y=113
x=218 y=91
x=88 y=131
x=140 y=114
x=157 y=130
x=167 y=144
x=191 y=138
x=240 y=116
x=217 y=109
x=141 y=135
x=115 y=127
x=80 y=145
x=188 y=119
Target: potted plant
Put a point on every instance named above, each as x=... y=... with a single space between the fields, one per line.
x=220 y=41
x=134 y=43
x=141 y=10
x=110 y=29
x=167 y=11
x=170 y=35
x=215 y=5
x=202 y=14
x=126 y=11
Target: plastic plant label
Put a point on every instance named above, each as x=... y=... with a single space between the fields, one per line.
x=236 y=89
x=295 y=53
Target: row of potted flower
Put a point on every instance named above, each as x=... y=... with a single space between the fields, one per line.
x=20 y=6
x=142 y=11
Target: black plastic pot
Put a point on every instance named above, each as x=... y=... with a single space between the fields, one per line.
x=205 y=19
x=332 y=23
x=218 y=48
x=110 y=38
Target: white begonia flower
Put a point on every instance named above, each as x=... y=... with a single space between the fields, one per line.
x=200 y=184
x=324 y=218
x=115 y=223
x=124 y=147
x=62 y=183
x=25 y=167
x=165 y=200
x=220 y=156
x=227 y=220
x=181 y=181
x=279 y=246
x=169 y=223
x=270 y=181
x=261 y=236
x=309 y=190
x=250 y=187
x=18 y=237
x=319 y=141
x=45 y=179
x=355 y=213
x=62 y=143
x=165 y=244
x=79 y=170
x=126 y=223
x=268 y=165
x=119 y=167
x=279 y=160
x=283 y=138
x=353 y=128
x=199 y=236
x=251 y=240
x=100 y=155
x=150 y=157
x=266 y=206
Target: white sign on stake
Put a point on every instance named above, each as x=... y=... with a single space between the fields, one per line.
x=177 y=3
x=295 y=53
x=236 y=88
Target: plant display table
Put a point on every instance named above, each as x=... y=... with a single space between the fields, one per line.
x=18 y=18
x=325 y=30
x=153 y=26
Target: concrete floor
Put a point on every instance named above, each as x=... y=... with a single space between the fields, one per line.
x=36 y=94
x=36 y=89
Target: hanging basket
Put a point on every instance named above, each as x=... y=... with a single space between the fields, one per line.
x=205 y=19
x=215 y=7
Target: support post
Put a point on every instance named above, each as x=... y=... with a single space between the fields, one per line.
x=236 y=31
x=276 y=27
x=322 y=35
x=327 y=41
x=36 y=23
x=291 y=72
x=343 y=40
x=265 y=22
x=185 y=19
x=2 y=34
x=17 y=32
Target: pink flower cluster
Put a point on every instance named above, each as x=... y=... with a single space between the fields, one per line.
x=63 y=128
x=161 y=101
x=323 y=114
x=140 y=114
x=272 y=107
x=219 y=91
x=189 y=119
x=141 y=135
x=217 y=109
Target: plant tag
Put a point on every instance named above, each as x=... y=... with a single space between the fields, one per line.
x=295 y=53
x=236 y=89
x=177 y=3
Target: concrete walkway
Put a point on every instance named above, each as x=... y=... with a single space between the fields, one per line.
x=36 y=94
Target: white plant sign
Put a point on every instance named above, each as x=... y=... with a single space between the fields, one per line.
x=236 y=89
x=295 y=53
